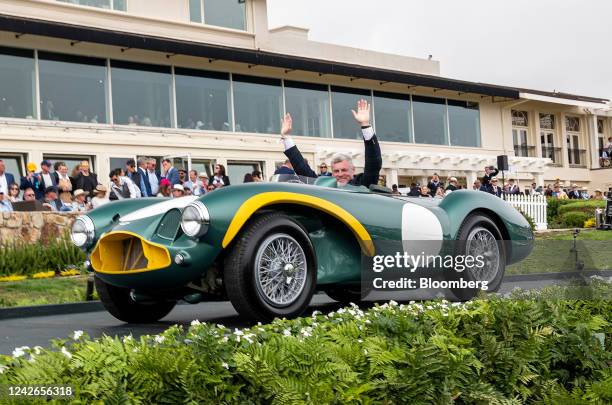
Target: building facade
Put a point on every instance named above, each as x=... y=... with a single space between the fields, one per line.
x=206 y=81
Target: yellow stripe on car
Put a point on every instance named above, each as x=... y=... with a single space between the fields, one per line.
x=110 y=257
x=250 y=206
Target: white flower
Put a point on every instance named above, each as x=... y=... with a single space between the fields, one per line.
x=195 y=322
x=20 y=351
x=220 y=326
x=76 y=335
x=248 y=337
x=238 y=332
x=225 y=339
x=127 y=338
x=393 y=303
x=37 y=349
x=225 y=365
x=306 y=332
x=365 y=351
x=359 y=340
x=188 y=341
x=66 y=353
x=287 y=332
x=159 y=339
x=2 y=368
x=32 y=359
x=259 y=324
x=315 y=313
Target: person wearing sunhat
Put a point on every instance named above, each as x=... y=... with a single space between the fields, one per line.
x=100 y=196
x=178 y=191
x=32 y=180
x=80 y=203
x=202 y=189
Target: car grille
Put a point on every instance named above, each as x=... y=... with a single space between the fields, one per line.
x=169 y=225
x=125 y=252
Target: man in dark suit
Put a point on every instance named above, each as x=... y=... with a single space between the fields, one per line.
x=134 y=174
x=172 y=174
x=6 y=179
x=145 y=184
x=513 y=188
x=494 y=188
x=485 y=183
x=342 y=165
x=286 y=168
x=433 y=184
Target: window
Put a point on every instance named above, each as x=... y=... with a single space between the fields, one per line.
x=13 y=164
x=223 y=13
x=203 y=99
x=572 y=124
x=202 y=165
x=520 y=133
x=464 y=122
x=547 y=138
x=430 y=123
x=118 y=162
x=575 y=154
x=393 y=117
x=141 y=94
x=258 y=104
x=308 y=105
x=119 y=5
x=600 y=127
x=237 y=170
x=343 y=101
x=17 y=83
x=73 y=161
x=72 y=88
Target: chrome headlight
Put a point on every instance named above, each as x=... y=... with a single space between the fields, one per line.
x=83 y=231
x=195 y=220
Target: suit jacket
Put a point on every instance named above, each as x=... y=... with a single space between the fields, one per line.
x=10 y=179
x=36 y=183
x=485 y=183
x=173 y=176
x=226 y=181
x=144 y=178
x=373 y=164
x=136 y=177
x=284 y=170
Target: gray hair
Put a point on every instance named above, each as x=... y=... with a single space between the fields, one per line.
x=142 y=161
x=341 y=157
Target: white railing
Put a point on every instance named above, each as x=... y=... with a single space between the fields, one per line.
x=532 y=205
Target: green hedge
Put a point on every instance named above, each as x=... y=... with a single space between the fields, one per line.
x=557 y=210
x=489 y=351
x=574 y=219
x=587 y=207
x=26 y=259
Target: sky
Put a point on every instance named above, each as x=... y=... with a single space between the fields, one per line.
x=562 y=45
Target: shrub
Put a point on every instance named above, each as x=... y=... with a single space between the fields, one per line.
x=528 y=219
x=574 y=219
x=588 y=207
x=519 y=350
x=24 y=259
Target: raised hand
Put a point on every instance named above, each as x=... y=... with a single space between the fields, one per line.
x=362 y=115
x=286 y=126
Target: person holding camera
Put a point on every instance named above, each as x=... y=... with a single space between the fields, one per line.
x=485 y=183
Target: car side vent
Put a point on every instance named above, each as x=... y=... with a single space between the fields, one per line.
x=170 y=225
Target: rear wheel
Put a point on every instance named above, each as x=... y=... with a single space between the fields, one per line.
x=119 y=303
x=479 y=236
x=271 y=270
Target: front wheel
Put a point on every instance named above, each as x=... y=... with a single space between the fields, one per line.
x=271 y=270
x=480 y=237
x=119 y=303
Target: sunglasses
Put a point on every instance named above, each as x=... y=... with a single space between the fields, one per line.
x=28 y=195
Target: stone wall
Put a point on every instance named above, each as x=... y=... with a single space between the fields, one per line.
x=34 y=227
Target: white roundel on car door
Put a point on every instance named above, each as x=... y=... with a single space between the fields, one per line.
x=421 y=230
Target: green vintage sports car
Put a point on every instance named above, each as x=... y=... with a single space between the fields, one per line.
x=267 y=247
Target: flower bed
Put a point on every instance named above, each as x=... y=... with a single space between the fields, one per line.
x=485 y=351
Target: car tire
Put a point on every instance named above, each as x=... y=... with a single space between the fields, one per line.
x=120 y=304
x=475 y=228
x=271 y=270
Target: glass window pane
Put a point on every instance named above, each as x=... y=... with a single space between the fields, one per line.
x=118 y=162
x=600 y=126
x=258 y=104
x=236 y=171
x=225 y=13
x=120 y=5
x=202 y=166
x=72 y=162
x=13 y=165
x=72 y=88
x=141 y=94
x=343 y=101
x=547 y=121
x=572 y=124
x=195 y=11
x=520 y=118
x=90 y=3
x=464 y=121
x=393 y=118
x=429 y=120
x=17 y=83
x=308 y=105
x=203 y=100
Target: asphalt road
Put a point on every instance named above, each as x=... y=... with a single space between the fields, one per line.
x=40 y=330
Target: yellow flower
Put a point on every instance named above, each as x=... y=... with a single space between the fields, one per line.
x=12 y=278
x=71 y=272
x=44 y=274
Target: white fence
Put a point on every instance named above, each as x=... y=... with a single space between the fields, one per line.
x=532 y=205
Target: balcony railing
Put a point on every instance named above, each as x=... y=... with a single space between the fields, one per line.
x=577 y=157
x=524 y=150
x=553 y=154
x=605 y=159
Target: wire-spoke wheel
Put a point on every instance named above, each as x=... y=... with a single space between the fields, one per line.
x=270 y=271
x=480 y=237
x=280 y=269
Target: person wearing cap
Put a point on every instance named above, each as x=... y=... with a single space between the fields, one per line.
x=80 y=203
x=452 y=184
x=178 y=191
x=574 y=193
x=584 y=193
x=100 y=197
x=598 y=195
x=51 y=200
x=5 y=204
x=194 y=183
x=121 y=187
x=32 y=180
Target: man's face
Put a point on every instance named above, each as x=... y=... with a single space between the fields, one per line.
x=29 y=195
x=131 y=169
x=44 y=168
x=192 y=176
x=323 y=168
x=166 y=165
x=151 y=165
x=343 y=171
x=51 y=195
x=63 y=170
x=182 y=175
x=115 y=179
x=424 y=190
x=2 y=167
x=435 y=178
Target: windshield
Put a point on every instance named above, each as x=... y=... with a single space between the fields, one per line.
x=292 y=178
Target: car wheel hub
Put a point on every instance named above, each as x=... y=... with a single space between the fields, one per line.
x=482 y=242
x=280 y=270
